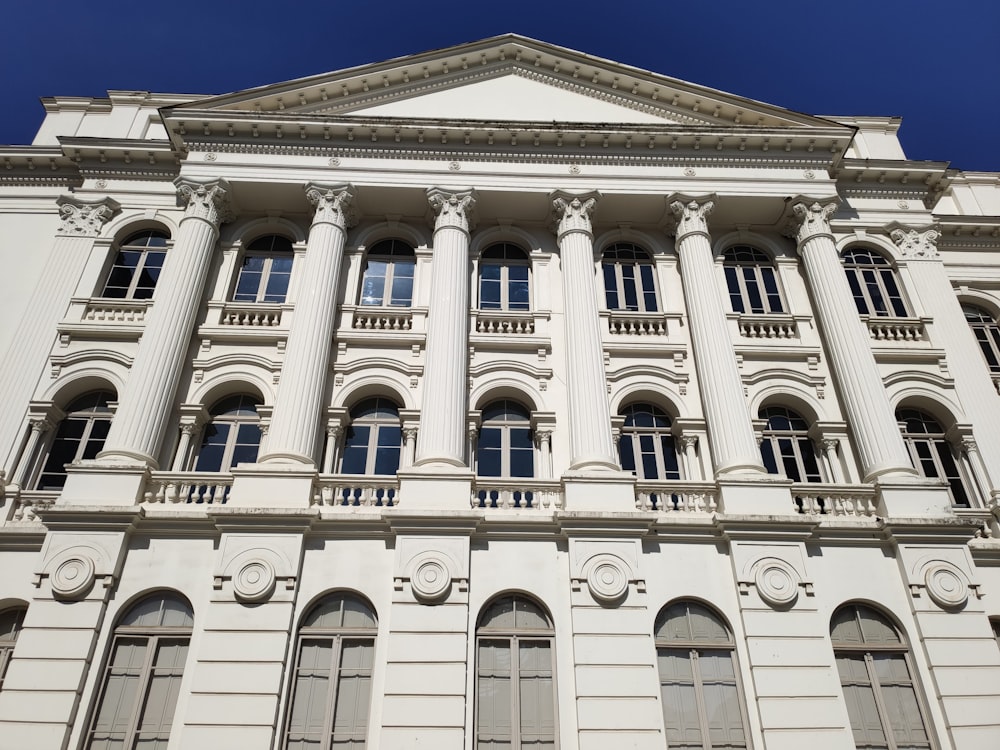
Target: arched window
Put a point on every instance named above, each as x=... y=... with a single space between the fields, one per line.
x=987 y=332
x=873 y=283
x=931 y=453
x=786 y=447
x=629 y=278
x=10 y=625
x=266 y=270
x=373 y=439
x=646 y=446
x=141 y=681
x=137 y=266
x=700 y=693
x=388 y=277
x=332 y=684
x=232 y=436
x=505 y=443
x=515 y=690
x=875 y=675
x=752 y=281
x=503 y=278
x=80 y=436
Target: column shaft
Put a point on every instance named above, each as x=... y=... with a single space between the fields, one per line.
x=441 y=438
x=146 y=401
x=730 y=429
x=298 y=404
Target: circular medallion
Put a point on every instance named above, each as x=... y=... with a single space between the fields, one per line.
x=101 y=184
x=334 y=162
x=211 y=156
x=946 y=585
x=777 y=582
x=454 y=166
x=809 y=174
x=689 y=172
x=903 y=205
x=254 y=582
x=607 y=579
x=574 y=169
x=73 y=577
x=431 y=580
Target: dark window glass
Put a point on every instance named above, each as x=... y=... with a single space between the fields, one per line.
x=873 y=283
x=930 y=451
x=987 y=332
x=505 y=446
x=388 y=275
x=266 y=270
x=750 y=278
x=80 y=436
x=503 y=278
x=786 y=447
x=629 y=278
x=373 y=439
x=646 y=445
x=137 y=266
x=232 y=436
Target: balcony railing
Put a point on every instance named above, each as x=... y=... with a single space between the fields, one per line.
x=621 y=323
x=115 y=311
x=250 y=315
x=350 y=491
x=382 y=319
x=519 y=494
x=768 y=327
x=23 y=504
x=188 y=487
x=496 y=321
x=671 y=496
x=833 y=499
x=896 y=329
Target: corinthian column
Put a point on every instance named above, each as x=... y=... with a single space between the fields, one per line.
x=441 y=437
x=298 y=403
x=591 y=442
x=873 y=423
x=146 y=401
x=730 y=429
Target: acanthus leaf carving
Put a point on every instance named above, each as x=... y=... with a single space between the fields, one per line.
x=573 y=212
x=208 y=201
x=453 y=209
x=812 y=217
x=691 y=214
x=334 y=204
x=916 y=243
x=84 y=218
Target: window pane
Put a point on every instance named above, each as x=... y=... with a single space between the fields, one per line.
x=311 y=687
x=355 y=458
x=625 y=454
x=610 y=286
x=735 y=297
x=493 y=694
x=402 y=289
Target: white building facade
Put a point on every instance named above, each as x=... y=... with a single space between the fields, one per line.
x=495 y=397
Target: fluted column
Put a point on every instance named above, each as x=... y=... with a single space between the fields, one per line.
x=299 y=400
x=730 y=427
x=873 y=423
x=591 y=444
x=441 y=437
x=145 y=404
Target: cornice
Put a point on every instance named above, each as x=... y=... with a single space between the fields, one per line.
x=122 y=158
x=890 y=178
x=968 y=232
x=37 y=166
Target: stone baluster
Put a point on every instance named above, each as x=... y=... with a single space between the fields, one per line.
x=876 y=432
x=299 y=400
x=441 y=438
x=591 y=443
x=146 y=401
x=730 y=429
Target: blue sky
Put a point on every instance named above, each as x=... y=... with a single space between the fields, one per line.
x=937 y=65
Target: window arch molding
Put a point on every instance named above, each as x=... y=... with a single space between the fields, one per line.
x=75 y=384
x=874 y=242
x=124 y=225
x=509 y=389
x=241 y=234
x=375 y=386
x=347 y=591
x=366 y=238
x=980 y=299
x=512 y=235
x=637 y=393
x=633 y=383
x=791 y=397
x=657 y=249
x=126 y=604
x=224 y=384
x=776 y=250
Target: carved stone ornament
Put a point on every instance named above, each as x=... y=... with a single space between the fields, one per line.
x=205 y=200
x=254 y=581
x=607 y=578
x=777 y=582
x=84 y=218
x=573 y=213
x=915 y=243
x=454 y=210
x=334 y=204
x=946 y=584
x=812 y=218
x=73 y=575
x=430 y=579
x=692 y=216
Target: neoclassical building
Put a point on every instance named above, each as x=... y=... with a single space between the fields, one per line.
x=495 y=397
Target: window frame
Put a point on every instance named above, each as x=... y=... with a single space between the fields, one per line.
x=986 y=330
x=269 y=254
x=940 y=451
x=514 y=637
x=376 y=426
x=233 y=421
x=505 y=426
x=743 y=286
x=87 y=446
x=392 y=258
x=7 y=644
x=796 y=438
x=663 y=442
x=146 y=252
x=613 y=265
x=504 y=282
x=874 y=275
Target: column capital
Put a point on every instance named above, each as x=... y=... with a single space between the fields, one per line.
x=915 y=243
x=334 y=203
x=812 y=217
x=692 y=214
x=454 y=209
x=208 y=201
x=572 y=212
x=82 y=218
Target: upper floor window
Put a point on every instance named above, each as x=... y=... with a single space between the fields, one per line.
x=137 y=266
x=752 y=281
x=700 y=692
x=232 y=436
x=503 y=278
x=332 y=683
x=873 y=283
x=373 y=439
x=388 y=276
x=629 y=278
x=80 y=436
x=141 y=681
x=931 y=452
x=646 y=446
x=515 y=688
x=11 y=621
x=505 y=446
x=786 y=447
x=987 y=332
x=266 y=270
x=875 y=675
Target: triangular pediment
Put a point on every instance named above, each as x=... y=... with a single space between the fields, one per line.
x=509 y=78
